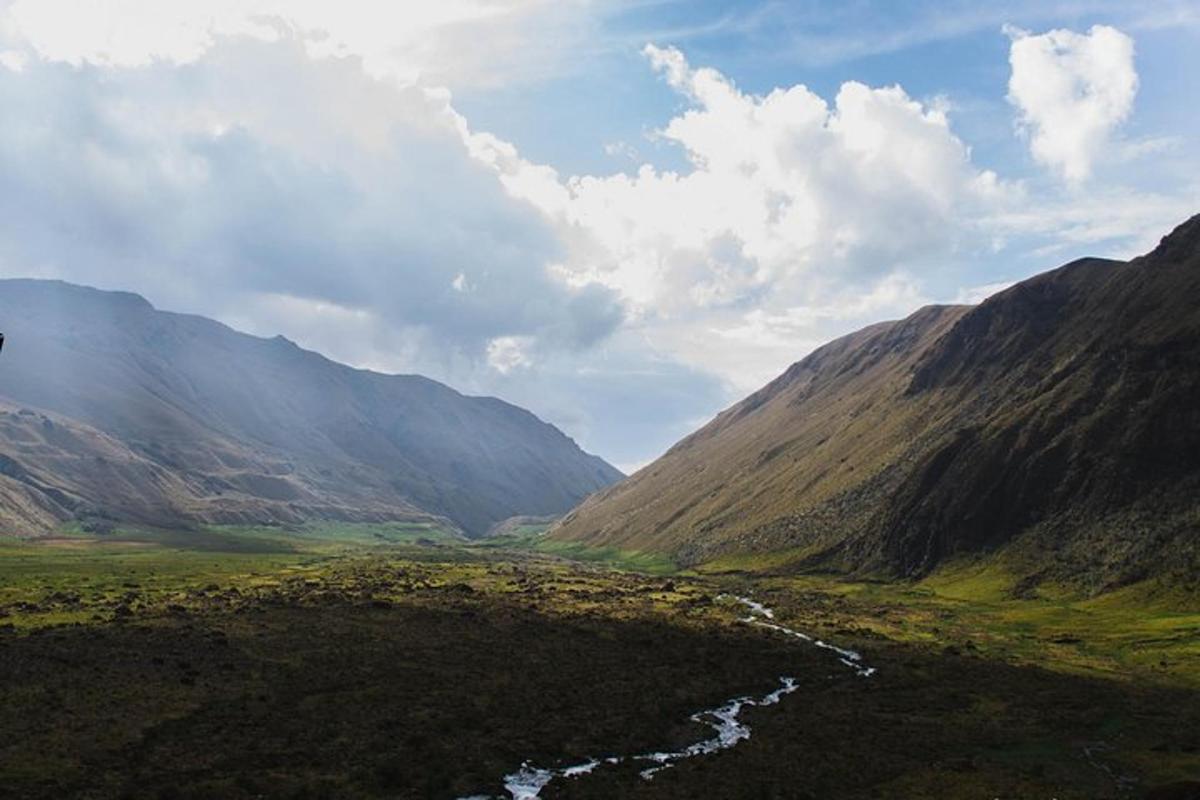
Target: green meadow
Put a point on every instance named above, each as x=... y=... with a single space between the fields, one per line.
x=399 y=660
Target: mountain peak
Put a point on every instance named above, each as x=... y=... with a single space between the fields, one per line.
x=1043 y=418
x=176 y=420
x=1180 y=243
x=47 y=287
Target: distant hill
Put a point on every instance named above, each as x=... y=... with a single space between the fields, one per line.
x=1057 y=422
x=113 y=411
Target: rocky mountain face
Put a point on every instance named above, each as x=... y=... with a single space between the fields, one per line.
x=111 y=410
x=1057 y=423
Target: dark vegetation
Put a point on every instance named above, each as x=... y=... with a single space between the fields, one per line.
x=325 y=664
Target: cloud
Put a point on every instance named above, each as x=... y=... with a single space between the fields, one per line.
x=507 y=353
x=450 y=42
x=791 y=204
x=1115 y=221
x=310 y=181
x=1071 y=90
x=974 y=295
x=624 y=397
x=816 y=35
x=13 y=60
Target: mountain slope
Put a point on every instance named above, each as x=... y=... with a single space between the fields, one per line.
x=211 y=425
x=1059 y=418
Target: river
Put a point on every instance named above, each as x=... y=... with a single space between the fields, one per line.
x=725 y=721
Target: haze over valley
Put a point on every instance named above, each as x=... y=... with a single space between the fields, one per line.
x=119 y=413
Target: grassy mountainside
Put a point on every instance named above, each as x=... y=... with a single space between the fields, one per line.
x=115 y=411
x=1056 y=421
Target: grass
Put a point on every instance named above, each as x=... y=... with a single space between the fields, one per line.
x=628 y=560
x=326 y=535
x=1142 y=632
x=1147 y=632
x=760 y=562
x=530 y=530
x=398 y=661
x=530 y=538
x=66 y=579
x=380 y=670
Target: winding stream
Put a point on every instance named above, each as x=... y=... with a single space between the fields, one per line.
x=527 y=782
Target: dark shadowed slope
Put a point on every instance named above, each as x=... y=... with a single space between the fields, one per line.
x=1058 y=420
x=134 y=414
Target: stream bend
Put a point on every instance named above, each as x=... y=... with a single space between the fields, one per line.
x=528 y=782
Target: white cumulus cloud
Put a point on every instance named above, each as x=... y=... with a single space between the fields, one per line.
x=793 y=211
x=445 y=42
x=1071 y=91
x=507 y=353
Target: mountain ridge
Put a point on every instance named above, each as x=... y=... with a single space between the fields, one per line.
x=1055 y=421
x=256 y=429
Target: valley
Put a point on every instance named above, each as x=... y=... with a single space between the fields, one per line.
x=599 y=400
x=386 y=661
x=949 y=556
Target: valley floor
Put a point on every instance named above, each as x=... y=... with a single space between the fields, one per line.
x=360 y=662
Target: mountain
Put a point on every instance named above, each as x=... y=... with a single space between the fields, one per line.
x=111 y=410
x=1056 y=423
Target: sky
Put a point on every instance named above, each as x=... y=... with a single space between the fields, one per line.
x=622 y=215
